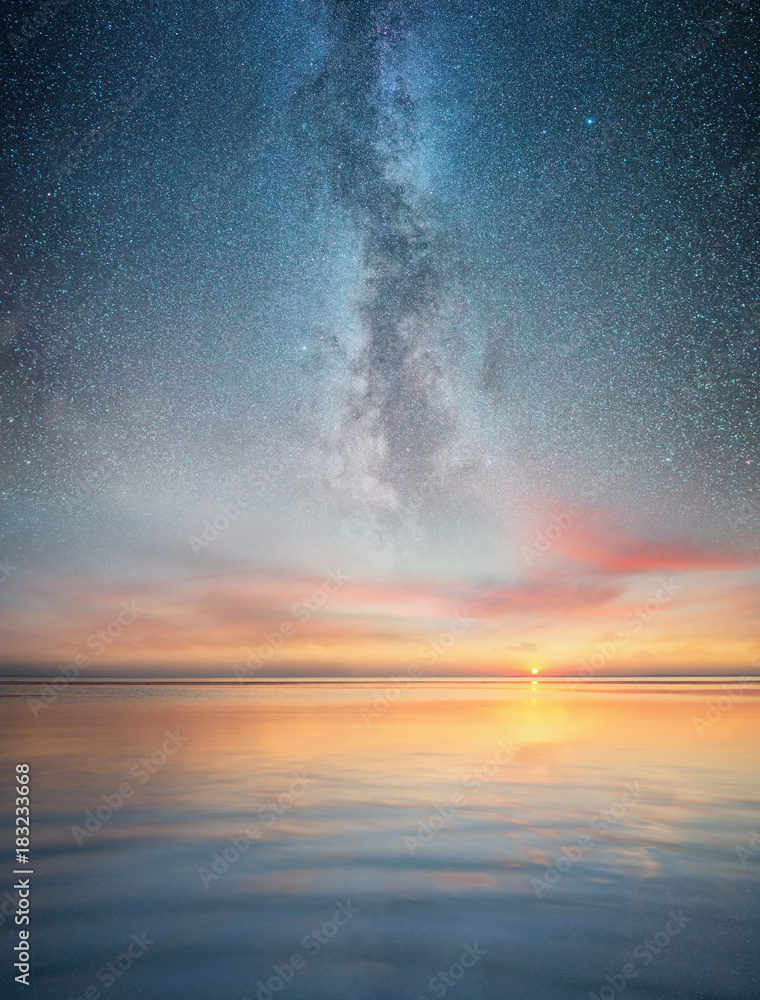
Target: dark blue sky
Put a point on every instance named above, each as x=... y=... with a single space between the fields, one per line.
x=406 y=278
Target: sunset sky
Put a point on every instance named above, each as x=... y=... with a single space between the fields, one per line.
x=342 y=337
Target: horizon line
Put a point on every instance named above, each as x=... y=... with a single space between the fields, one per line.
x=375 y=680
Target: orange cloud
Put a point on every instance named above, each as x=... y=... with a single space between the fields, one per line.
x=585 y=578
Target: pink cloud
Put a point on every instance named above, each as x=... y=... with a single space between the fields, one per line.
x=621 y=554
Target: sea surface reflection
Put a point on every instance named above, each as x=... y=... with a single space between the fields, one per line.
x=478 y=840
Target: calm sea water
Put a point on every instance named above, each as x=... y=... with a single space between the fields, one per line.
x=473 y=841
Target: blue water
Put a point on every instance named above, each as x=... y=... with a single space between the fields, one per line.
x=478 y=841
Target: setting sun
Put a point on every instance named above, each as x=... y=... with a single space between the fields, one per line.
x=534 y=670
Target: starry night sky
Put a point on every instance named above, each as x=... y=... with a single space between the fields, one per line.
x=405 y=285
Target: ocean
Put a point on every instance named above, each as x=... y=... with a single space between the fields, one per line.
x=527 y=840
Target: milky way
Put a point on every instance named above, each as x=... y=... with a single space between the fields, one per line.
x=402 y=279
